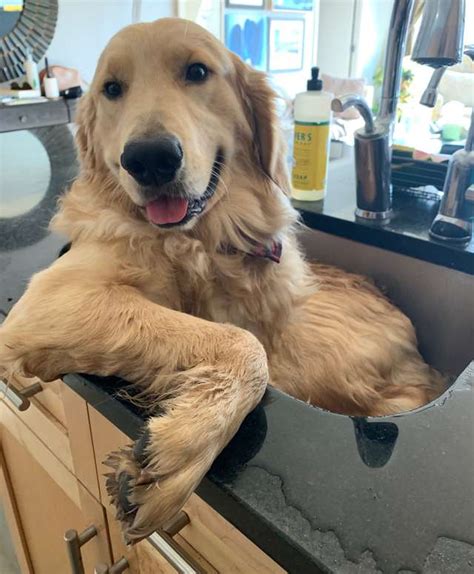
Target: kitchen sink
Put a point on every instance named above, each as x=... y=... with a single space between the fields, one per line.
x=438 y=300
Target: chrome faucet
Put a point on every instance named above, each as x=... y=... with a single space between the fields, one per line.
x=372 y=145
x=430 y=95
x=448 y=225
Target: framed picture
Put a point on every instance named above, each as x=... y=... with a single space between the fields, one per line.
x=246 y=35
x=299 y=5
x=285 y=44
x=245 y=4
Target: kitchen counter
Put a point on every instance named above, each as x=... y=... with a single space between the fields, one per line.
x=406 y=233
x=321 y=492
x=315 y=490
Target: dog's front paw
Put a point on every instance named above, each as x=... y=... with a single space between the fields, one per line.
x=151 y=481
x=131 y=483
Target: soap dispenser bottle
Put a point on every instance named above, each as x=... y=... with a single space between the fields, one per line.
x=311 y=140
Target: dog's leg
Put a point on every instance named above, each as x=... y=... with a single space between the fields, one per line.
x=154 y=478
x=210 y=376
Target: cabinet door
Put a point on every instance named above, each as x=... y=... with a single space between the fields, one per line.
x=142 y=557
x=45 y=500
x=14 y=557
x=210 y=542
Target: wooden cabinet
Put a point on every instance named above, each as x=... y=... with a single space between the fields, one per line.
x=43 y=500
x=51 y=480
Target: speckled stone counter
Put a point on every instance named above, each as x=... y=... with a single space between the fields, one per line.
x=321 y=492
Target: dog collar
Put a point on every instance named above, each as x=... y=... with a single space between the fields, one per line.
x=271 y=251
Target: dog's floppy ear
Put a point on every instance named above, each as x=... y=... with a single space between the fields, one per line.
x=258 y=100
x=85 y=121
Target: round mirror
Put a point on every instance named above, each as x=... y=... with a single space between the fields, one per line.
x=36 y=166
x=25 y=172
x=24 y=25
x=10 y=11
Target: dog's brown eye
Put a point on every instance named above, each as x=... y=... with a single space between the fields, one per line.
x=113 y=90
x=196 y=73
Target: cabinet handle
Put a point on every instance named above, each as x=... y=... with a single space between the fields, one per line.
x=117 y=568
x=19 y=399
x=171 y=551
x=74 y=541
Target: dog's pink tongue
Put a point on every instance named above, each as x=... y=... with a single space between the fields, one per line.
x=167 y=210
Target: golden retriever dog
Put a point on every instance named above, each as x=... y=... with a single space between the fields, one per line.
x=185 y=276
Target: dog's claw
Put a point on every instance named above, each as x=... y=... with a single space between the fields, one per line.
x=140 y=448
x=124 y=493
x=129 y=466
x=145 y=478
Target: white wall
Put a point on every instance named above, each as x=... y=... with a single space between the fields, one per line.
x=85 y=26
x=370 y=38
x=154 y=9
x=336 y=18
x=352 y=36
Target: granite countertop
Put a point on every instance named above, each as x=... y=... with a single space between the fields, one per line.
x=321 y=492
x=317 y=491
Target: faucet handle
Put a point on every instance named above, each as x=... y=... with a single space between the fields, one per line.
x=341 y=103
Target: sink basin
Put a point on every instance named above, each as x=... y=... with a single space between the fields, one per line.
x=438 y=300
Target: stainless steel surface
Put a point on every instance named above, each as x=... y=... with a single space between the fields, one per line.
x=469 y=50
x=373 y=188
x=440 y=39
x=171 y=551
x=451 y=229
x=373 y=215
x=117 y=568
x=397 y=36
x=19 y=398
x=427 y=293
x=449 y=225
x=341 y=103
x=430 y=95
x=74 y=542
x=372 y=160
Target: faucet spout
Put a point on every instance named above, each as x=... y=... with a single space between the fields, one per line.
x=430 y=95
x=440 y=39
x=392 y=76
x=341 y=103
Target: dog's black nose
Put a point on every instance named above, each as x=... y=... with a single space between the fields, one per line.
x=153 y=161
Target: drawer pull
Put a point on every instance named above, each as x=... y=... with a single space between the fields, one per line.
x=117 y=568
x=74 y=541
x=173 y=526
x=171 y=551
x=19 y=399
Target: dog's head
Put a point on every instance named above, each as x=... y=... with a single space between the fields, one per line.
x=172 y=115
